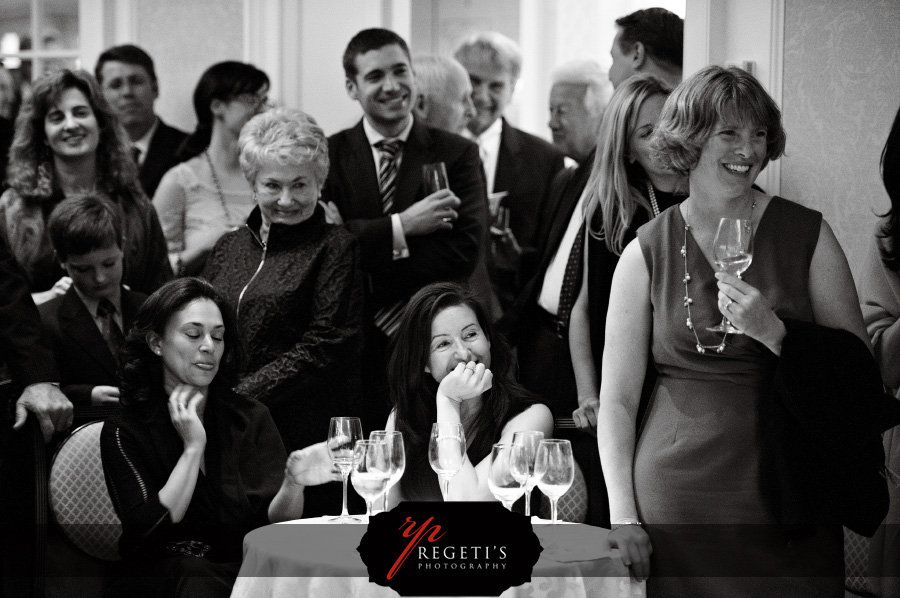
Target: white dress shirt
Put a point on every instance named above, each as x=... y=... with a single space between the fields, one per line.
x=489 y=149
x=556 y=270
x=143 y=144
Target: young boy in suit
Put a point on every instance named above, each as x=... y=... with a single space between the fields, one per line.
x=87 y=325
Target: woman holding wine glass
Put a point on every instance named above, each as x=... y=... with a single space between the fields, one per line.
x=452 y=372
x=699 y=456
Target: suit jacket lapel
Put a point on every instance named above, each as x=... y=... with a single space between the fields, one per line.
x=78 y=324
x=507 y=161
x=567 y=204
x=417 y=151
x=361 y=164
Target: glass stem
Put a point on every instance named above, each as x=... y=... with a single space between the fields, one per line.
x=384 y=500
x=445 y=488
x=369 y=508
x=553 y=502
x=528 y=501
x=344 y=512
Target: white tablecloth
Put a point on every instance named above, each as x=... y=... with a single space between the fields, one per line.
x=280 y=562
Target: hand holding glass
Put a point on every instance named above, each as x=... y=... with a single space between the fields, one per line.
x=504 y=485
x=343 y=432
x=371 y=470
x=554 y=469
x=396 y=457
x=526 y=445
x=446 y=453
x=732 y=252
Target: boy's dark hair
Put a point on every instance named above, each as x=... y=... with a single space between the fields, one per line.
x=661 y=32
x=82 y=223
x=368 y=40
x=128 y=54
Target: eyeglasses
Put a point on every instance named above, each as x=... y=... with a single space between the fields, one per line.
x=254 y=101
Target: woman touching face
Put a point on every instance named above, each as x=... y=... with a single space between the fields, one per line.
x=456 y=337
x=191 y=345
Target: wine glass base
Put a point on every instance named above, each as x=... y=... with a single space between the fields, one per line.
x=728 y=329
x=345 y=519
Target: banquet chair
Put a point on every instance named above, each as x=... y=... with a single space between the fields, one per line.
x=856 y=564
x=572 y=505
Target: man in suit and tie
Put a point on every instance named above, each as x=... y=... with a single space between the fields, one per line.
x=408 y=237
x=537 y=324
x=87 y=324
x=519 y=166
x=129 y=83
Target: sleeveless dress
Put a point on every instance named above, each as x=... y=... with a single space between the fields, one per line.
x=697 y=461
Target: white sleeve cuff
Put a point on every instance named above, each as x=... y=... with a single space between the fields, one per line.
x=401 y=249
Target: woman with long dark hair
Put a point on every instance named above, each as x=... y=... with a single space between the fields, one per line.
x=191 y=465
x=880 y=297
x=207 y=195
x=69 y=141
x=449 y=366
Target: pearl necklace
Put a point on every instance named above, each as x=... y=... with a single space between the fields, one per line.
x=701 y=348
x=215 y=178
x=653 y=205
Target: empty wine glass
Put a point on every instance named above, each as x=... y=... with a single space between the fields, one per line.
x=343 y=432
x=396 y=456
x=371 y=470
x=526 y=444
x=554 y=469
x=732 y=252
x=446 y=452
x=504 y=485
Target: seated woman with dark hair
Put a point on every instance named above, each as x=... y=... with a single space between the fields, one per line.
x=191 y=466
x=449 y=366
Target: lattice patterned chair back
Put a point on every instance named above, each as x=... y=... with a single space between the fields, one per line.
x=572 y=505
x=79 y=498
x=856 y=564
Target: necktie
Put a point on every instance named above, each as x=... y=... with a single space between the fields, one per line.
x=387 y=171
x=571 y=278
x=136 y=154
x=110 y=330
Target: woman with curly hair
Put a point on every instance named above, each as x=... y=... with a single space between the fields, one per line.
x=449 y=366
x=69 y=141
x=191 y=465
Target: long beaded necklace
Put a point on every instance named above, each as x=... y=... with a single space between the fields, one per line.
x=701 y=348
x=215 y=178
x=653 y=204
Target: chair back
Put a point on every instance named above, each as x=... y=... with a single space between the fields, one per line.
x=572 y=505
x=79 y=499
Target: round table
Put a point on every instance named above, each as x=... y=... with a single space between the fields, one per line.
x=311 y=557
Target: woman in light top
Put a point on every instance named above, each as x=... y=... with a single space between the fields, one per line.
x=449 y=366
x=203 y=198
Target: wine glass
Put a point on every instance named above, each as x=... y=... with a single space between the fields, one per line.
x=732 y=252
x=434 y=177
x=396 y=455
x=343 y=432
x=504 y=485
x=554 y=469
x=371 y=470
x=446 y=452
x=526 y=444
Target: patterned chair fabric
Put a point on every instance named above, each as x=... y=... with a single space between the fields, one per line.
x=79 y=498
x=572 y=505
x=856 y=564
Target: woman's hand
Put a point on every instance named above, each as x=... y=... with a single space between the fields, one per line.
x=104 y=395
x=749 y=311
x=183 y=411
x=634 y=548
x=466 y=381
x=62 y=285
x=332 y=213
x=311 y=466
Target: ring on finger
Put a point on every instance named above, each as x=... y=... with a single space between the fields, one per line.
x=728 y=305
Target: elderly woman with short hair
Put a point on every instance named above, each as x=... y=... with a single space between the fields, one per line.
x=294 y=281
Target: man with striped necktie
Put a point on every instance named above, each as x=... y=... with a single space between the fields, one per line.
x=407 y=238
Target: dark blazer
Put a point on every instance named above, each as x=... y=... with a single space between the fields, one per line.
x=83 y=357
x=562 y=198
x=23 y=346
x=352 y=184
x=526 y=167
x=160 y=156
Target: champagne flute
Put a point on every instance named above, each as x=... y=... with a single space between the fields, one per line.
x=446 y=452
x=554 y=469
x=434 y=177
x=732 y=252
x=526 y=444
x=506 y=487
x=343 y=432
x=396 y=455
x=371 y=470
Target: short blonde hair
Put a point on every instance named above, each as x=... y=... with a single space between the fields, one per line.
x=284 y=136
x=493 y=48
x=714 y=93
